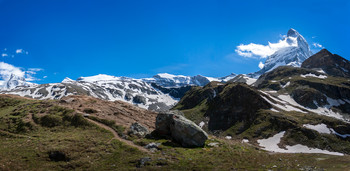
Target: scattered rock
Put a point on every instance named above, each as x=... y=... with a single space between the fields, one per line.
x=184 y=131
x=138 y=130
x=152 y=146
x=67 y=100
x=213 y=144
x=143 y=162
x=228 y=137
x=245 y=141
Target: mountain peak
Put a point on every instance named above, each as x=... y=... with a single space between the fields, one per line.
x=66 y=80
x=293 y=55
x=292 y=33
x=324 y=52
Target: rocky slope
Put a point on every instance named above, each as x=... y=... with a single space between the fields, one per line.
x=331 y=64
x=294 y=54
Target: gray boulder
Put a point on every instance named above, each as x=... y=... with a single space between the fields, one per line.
x=184 y=131
x=138 y=130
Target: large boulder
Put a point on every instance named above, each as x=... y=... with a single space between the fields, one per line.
x=184 y=131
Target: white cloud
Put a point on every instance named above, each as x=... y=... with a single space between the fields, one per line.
x=19 y=51
x=7 y=69
x=4 y=55
x=261 y=65
x=35 y=69
x=317 y=45
x=45 y=76
x=257 y=50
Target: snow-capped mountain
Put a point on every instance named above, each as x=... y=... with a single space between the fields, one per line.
x=15 y=81
x=169 y=80
x=101 y=86
x=293 y=55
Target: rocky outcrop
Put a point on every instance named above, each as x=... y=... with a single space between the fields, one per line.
x=329 y=63
x=224 y=104
x=237 y=103
x=182 y=130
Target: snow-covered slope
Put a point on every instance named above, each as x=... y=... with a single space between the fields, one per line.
x=101 y=86
x=160 y=92
x=169 y=80
x=292 y=55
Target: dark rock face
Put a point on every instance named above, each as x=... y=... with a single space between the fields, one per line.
x=139 y=99
x=308 y=97
x=332 y=64
x=176 y=92
x=184 y=131
x=197 y=94
x=238 y=103
x=227 y=103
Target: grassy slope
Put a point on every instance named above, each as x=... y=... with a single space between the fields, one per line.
x=92 y=148
x=88 y=147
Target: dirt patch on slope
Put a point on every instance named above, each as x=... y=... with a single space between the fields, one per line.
x=123 y=113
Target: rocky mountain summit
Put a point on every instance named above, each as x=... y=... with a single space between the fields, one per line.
x=294 y=54
x=331 y=64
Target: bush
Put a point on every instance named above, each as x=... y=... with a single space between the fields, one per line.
x=50 y=120
x=89 y=110
x=76 y=120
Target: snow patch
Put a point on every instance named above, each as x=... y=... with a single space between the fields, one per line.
x=313 y=75
x=201 y=124
x=271 y=144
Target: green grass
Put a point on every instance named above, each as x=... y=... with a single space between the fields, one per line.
x=89 y=147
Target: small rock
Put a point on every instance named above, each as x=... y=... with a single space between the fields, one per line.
x=213 y=144
x=245 y=141
x=138 y=130
x=153 y=147
x=228 y=137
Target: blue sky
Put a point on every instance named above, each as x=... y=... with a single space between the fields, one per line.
x=73 y=38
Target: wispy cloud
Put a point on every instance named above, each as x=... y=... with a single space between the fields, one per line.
x=6 y=70
x=19 y=51
x=12 y=53
x=317 y=45
x=253 y=50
